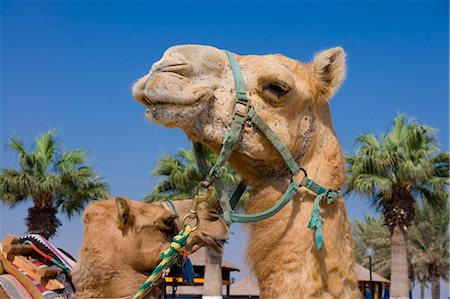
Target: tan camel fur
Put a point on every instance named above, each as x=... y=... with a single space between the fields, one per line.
x=192 y=88
x=123 y=241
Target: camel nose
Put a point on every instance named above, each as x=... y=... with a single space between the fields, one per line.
x=173 y=62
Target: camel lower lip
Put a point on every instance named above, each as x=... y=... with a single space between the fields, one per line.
x=171 y=115
x=152 y=102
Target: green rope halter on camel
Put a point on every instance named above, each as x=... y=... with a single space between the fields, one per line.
x=169 y=257
x=244 y=113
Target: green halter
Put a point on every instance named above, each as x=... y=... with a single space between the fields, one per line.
x=243 y=112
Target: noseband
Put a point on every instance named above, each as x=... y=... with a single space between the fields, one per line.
x=243 y=112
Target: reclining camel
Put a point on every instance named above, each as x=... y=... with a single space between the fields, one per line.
x=123 y=241
x=192 y=87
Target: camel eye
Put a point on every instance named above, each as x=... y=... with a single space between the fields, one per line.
x=168 y=224
x=276 y=90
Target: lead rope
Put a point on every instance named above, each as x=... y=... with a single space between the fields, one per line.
x=169 y=257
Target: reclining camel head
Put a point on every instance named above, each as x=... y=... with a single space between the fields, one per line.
x=192 y=87
x=123 y=241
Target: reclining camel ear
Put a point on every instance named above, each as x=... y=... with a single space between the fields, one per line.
x=329 y=71
x=124 y=217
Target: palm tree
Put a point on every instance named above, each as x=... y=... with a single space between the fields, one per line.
x=422 y=276
x=180 y=177
x=55 y=181
x=396 y=170
x=375 y=234
x=430 y=245
x=428 y=251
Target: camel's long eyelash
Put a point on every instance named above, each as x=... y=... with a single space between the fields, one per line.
x=279 y=90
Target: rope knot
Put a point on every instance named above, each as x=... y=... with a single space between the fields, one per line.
x=315 y=221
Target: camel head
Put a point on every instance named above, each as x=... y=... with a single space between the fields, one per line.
x=141 y=231
x=124 y=239
x=192 y=87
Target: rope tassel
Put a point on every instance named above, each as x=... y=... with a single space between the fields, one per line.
x=315 y=221
x=187 y=271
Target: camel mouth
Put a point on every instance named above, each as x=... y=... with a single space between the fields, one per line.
x=167 y=86
x=206 y=241
x=171 y=97
x=151 y=98
x=216 y=244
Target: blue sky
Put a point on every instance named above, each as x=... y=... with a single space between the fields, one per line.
x=70 y=66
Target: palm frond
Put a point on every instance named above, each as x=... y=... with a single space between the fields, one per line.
x=17 y=144
x=46 y=149
x=14 y=186
x=375 y=234
x=179 y=176
x=70 y=159
x=429 y=240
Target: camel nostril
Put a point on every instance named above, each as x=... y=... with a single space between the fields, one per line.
x=146 y=100
x=183 y=69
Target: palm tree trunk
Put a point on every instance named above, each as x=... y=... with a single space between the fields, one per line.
x=435 y=287
x=212 y=288
x=422 y=290
x=43 y=221
x=399 y=265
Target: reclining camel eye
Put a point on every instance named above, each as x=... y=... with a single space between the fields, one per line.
x=167 y=225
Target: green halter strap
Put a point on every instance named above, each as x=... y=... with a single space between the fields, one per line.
x=243 y=112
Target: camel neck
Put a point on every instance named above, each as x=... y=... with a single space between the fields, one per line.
x=323 y=162
x=103 y=276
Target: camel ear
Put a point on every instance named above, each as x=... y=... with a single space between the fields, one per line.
x=329 y=70
x=123 y=212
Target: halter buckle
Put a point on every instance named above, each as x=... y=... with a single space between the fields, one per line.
x=295 y=177
x=196 y=200
x=241 y=108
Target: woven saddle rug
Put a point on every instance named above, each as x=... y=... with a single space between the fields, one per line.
x=44 y=255
x=63 y=259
